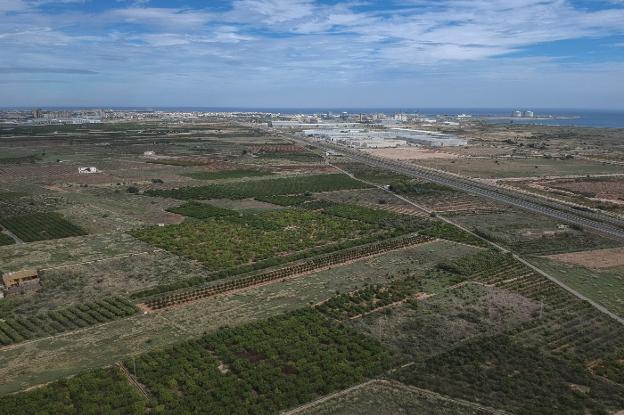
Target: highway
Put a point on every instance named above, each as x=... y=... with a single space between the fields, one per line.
x=590 y=220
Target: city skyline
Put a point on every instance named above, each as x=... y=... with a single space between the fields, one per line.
x=302 y=54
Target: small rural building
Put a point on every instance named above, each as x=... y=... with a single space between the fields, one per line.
x=87 y=170
x=21 y=281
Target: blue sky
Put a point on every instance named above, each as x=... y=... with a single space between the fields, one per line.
x=306 y=53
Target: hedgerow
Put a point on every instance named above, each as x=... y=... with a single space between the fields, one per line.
x=268 y=187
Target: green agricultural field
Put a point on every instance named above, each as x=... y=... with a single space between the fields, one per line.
x=567 y=241
x=102 y=391
x=500 y=373
x=285 y=200
x=6 y=239
x=527 y=233
x=41 y=226
x=605 y=286
x=18 y=329
x=44 y=360
x=302 y=157
x=505 y=168
x=268 y=187
x=236 y=370
x=226 y=174
x=239 y=370
x=202 y=211
x=370 y=174
x=225 y=243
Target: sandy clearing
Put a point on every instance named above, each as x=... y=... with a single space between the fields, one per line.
x=597 y=259
x=410 y=153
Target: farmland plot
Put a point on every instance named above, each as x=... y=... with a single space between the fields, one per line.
x=28 y=364
x=420 y=329
x=99 y=391
x=279 y=186
x=78 y=283
x=69 y=251
x=499 y=372
x=41 y=226
x=223 y=243
x=300 y=355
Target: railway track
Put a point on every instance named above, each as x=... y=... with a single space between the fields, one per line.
x=587 y=219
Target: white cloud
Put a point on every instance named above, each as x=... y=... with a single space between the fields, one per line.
x=274 y=42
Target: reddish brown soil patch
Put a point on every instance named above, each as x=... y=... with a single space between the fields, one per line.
x=601 y=189
x=599 y=258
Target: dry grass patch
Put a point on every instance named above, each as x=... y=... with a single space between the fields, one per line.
x=596 y=259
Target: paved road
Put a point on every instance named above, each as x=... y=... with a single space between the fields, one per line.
x=574 y=292
x=590 y=220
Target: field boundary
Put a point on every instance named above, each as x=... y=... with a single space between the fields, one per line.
x=516 y=256
x=396 y=385
x=314 y=264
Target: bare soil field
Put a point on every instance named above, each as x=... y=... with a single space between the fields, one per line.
x=531 y=167
x=607 y=189
x=411 y=153
x=80 y=249
x=457 y=202
x=596 y=259
x=485 y=150
x=97 y=207
x=442 y=321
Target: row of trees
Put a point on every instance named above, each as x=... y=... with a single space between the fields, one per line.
x=14 y=330
x=298 y=268
x=269 y=187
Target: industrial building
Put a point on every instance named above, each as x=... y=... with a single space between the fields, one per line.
x=392 y=137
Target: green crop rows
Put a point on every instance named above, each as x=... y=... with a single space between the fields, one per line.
x=476 y=263
x=285 y=200
x=262 y=277
x=41 y=226
x=414 y=187
x=102 y=391
x=501 y=373
x=268 y=187
x=202 y=210
x=378 y=217
x=317 y=257
x=15 y=330
x=6 y=240
x=226 y=174
x=304 y=157
x=260 y=368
